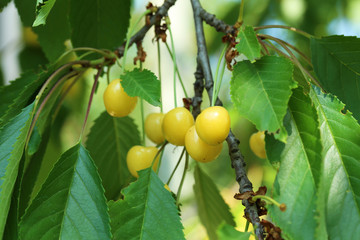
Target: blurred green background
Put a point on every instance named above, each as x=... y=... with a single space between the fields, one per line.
x=320 y=18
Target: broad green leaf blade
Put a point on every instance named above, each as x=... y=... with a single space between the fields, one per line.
x=108 y=143
x=336 y=61
x=228 y=232
x=12 y=141
x=261 y=91
x=3 y=4
x=70 y=204
x=53 y=35
x=340 y=174
x=298 y=175
x=26 y=10
x=10 y=92
x=43 y=8
x=99 y=24
x=249 y=44
x=32 y=58
x=148 y=211
x=31 y=172
x=211 y=206
x=143 y=84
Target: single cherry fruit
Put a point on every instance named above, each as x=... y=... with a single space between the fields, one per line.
x=139 y=157
x=198 y=149
x=213 y=125
x=153 y=127
x=257 y=144
x=116 y=100
x=175 y=125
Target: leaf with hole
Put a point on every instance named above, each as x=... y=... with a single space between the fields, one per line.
x=298 y=176
x=339 y=188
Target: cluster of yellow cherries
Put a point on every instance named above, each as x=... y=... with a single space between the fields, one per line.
x=203 y=138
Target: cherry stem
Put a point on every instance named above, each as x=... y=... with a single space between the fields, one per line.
x=241 y=12
x=66 y=91
x=96 y=79
x=160 y=160
x=293 y=57
x=216 y=88
x=178 y=72
x=177 y=165
x=305 y=34
x=174 y=62
x=159 y=73
x=47 y=97
x=128 y=36
x=182 y=179
x=158 y=152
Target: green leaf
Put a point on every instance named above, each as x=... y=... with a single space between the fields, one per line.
x=32 y=58
x=23 y=92
x=143 y=84
x=336 y=61
x=9 y=93
x=148 y=211
x=3 y=3
x=339 y=191
x=26 y=10
x=53 y=35
x=43 y=8
x=228 y=232
x=99 y=24
x=298 y=175
x=211 y=206
x=109 y=141
x=31 y=173
x=249 y=44
x=261 y=91
x=70 y=204
x=12 y=141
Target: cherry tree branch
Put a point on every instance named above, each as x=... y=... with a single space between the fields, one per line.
x=204 y=71
x=161 y=12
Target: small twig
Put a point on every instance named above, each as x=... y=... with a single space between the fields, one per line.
x=218 y=24
x=198 y=90
x=138 y=36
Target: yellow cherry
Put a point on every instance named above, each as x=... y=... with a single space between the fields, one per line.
x=257 y=144
x=139 y=157
x=175 y=125
x=198 y=149
x=213 y=125
x=116 y=100
x=153 y=127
